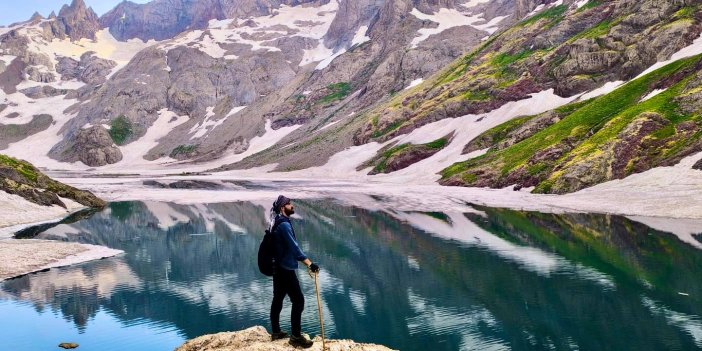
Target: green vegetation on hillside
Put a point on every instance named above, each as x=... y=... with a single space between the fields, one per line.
x=338 y=91
x=401 y=156
x=121 y=130
x=23 y=179
x=183 y=150
x=553 y=15
x=23 y=167
x=588 y=130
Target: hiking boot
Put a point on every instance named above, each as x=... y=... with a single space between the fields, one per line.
x=301 y=341
x=279 y=335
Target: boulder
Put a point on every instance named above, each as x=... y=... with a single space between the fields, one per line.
x=39 y=74
x=90 y=69
x=94 y=147
x=39 y=92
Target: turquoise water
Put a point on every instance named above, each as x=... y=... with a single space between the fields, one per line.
x=490 y=280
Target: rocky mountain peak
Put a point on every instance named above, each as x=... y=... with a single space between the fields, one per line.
x=76 y=5
x=36 y=16
x=79 y=20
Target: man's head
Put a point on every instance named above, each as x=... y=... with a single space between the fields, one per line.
x=283 y=205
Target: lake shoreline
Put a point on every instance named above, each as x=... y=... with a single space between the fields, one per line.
x=25 y=256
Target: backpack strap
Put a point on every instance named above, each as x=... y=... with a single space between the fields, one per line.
x=278 y=220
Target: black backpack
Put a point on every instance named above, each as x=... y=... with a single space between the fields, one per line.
x=266 y=251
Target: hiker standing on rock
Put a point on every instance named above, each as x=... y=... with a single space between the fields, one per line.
x=287 y=253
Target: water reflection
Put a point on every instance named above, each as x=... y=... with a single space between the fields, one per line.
x=491 y=279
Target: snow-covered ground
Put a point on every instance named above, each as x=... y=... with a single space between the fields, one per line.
x=21 y=257
x=630 y=197
x=16 y=212
x=259 y=33
x=449 y=18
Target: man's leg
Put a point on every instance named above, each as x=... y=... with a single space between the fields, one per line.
x=279 y=292
x=298 y=304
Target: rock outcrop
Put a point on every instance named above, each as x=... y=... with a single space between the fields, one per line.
x=78 y=21
x=90 y=69
x=21 y=178
x=258 y=339
x=94 y=147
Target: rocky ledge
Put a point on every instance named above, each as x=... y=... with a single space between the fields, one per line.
x=257 y=338
x=21 y=178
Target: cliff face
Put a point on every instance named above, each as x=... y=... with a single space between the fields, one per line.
x=164 y=19
x=78 y=20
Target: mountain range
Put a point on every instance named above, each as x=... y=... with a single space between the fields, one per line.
x=549 y=96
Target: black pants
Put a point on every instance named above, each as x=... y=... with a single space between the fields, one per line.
x=285 y=283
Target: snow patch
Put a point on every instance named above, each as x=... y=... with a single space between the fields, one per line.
x=210 y=47
x=235 y=110
x=285 y=22
x=535 y=11
x=603 y=90
x=206 y=125
x=414 y=83
x=134 y=152
x=691 y=50
x=449 y=18
x=581 y=3
x=327 y=61
x=260 y=143
x=652 y=94
x=220 y=24
x=319 y=53
x=7 y=59
x=329 y=125
x=105 y=46
x=474 y=3
x=16 y=211
x=35 y=148
x=360 y=37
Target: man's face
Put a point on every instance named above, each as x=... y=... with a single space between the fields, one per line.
x=289 y=209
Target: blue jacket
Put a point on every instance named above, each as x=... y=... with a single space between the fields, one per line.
x=287 y=250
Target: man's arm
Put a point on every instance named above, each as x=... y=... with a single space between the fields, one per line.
x=292 y=243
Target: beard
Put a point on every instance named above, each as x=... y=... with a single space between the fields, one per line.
x=289 y=212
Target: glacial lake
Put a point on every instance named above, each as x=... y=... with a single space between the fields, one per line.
x=492 y=279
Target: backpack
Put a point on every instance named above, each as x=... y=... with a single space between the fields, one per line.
x=266 y=251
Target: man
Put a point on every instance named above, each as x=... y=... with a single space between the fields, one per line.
x=287 y=253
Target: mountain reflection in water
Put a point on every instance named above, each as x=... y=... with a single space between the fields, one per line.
x=491 y=279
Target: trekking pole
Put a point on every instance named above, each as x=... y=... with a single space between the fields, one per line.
x=319 y=309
